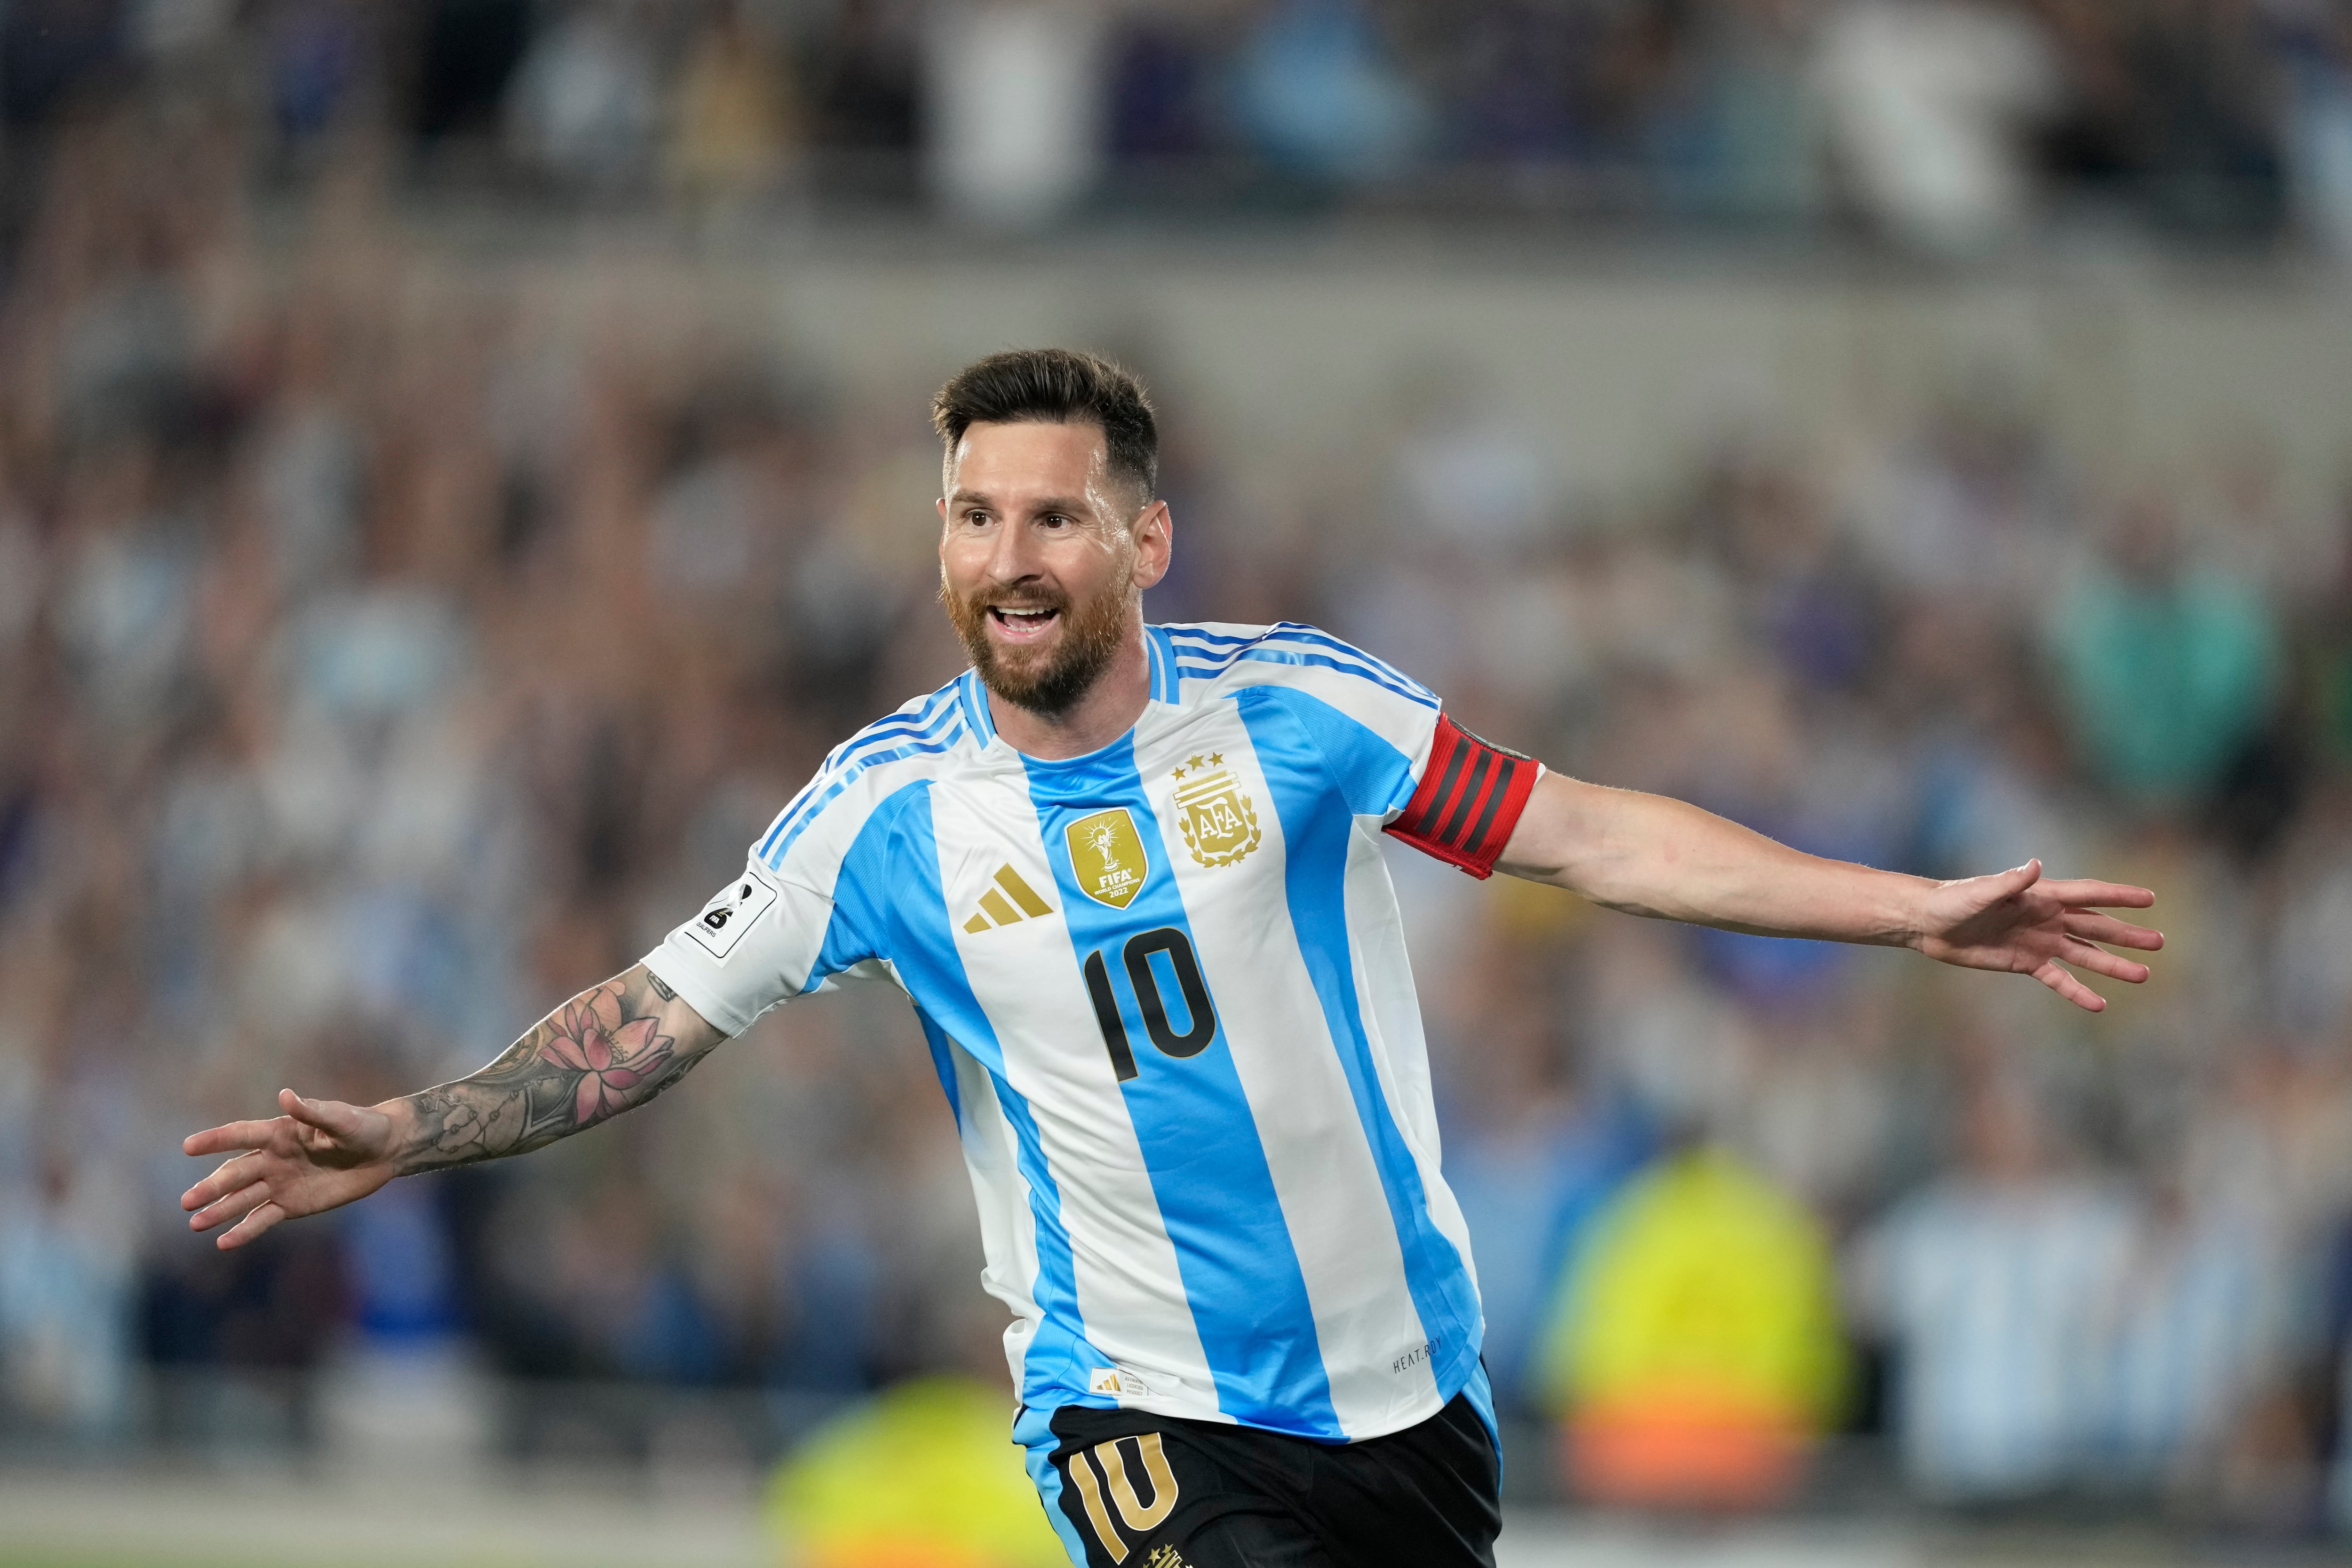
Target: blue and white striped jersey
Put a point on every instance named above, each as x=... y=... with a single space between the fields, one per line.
x=1165 y=992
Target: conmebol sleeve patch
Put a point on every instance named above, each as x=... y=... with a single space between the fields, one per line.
x=1470 y=798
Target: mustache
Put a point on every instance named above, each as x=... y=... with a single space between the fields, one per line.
x=981 y=600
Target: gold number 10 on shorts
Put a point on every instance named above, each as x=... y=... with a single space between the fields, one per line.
x=1138 y=1517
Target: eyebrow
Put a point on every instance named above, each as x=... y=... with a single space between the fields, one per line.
x=1050 y=504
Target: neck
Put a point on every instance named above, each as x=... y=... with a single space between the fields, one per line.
x=1108 y=710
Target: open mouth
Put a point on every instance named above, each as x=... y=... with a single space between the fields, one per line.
x=1022 y=622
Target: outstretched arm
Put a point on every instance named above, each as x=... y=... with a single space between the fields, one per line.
x=1649 y=854
x=607 y=1050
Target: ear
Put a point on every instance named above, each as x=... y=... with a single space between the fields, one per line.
x=1155 y=539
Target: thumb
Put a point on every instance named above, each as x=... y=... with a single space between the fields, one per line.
x=2018 y=879
x=327 y=1115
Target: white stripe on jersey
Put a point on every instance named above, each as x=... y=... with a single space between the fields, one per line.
x=1322 y=1166
x=1131 y=1293
x=1008 y=1228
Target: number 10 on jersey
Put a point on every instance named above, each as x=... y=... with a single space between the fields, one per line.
x=1172 y=951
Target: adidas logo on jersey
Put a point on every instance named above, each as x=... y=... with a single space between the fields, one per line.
x=1116 y=1380
x=1011 y=900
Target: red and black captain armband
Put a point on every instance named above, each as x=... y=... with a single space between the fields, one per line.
x=1470 y=798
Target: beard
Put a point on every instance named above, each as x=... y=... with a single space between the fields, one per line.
x=1045 y=681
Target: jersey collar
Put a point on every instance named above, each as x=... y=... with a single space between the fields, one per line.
x=1157 y=644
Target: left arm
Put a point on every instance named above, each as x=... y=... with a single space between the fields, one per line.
x=1655 y=856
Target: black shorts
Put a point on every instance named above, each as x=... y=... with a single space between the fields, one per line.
x=1138 y=1491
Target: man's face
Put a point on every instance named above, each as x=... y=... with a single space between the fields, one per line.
x=1044 y=558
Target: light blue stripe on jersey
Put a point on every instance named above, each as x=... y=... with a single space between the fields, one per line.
x=1289 y=656
x=1163 y=664
x=1221 y=647
x=924 y=721
x=943 y=1062
x=1219 y=650
x=789 y=827
x=1034 y=1430
x=1200 y=1144
x=1294 y=735
x=974 y=698
x=1481 y=1395
x=854 y=756
x=893 y=904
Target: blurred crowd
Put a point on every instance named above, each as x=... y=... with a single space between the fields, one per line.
x=1946 y=125
x=390 y=647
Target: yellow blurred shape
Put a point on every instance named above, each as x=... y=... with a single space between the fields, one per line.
x=924 y=1475
x=1696 y=1353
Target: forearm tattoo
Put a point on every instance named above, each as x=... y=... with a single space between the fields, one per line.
x=603 y=1052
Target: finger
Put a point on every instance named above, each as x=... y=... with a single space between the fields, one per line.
x=231 y=1135
x=244 y=1200
x=251 y=1225
x=2115 y=933
x=232 y=1175
x=2014 y=881
x=2081 y=893
x=2099 y=961
x=327 y=1115
x=2054 y=975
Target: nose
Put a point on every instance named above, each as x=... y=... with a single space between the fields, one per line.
x=1013 y=558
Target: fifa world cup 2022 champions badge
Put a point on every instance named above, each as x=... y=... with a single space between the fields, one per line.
x=1220 y=823
x=1106 y=856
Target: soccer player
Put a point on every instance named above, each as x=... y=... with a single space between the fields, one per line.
x=1131 y=877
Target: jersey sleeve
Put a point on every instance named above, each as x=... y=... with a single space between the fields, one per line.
x=778 y=929
x=755 y=944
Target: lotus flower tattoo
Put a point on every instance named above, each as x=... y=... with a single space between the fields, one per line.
x=614 y=1058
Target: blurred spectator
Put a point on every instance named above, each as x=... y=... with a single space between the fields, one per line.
x=314 y=54
x=2169 y=668
x=65 y=1304
x=1535 y=1155
x=2200 y=1324
x=1996 y=1286
x=735 y=128
x=1315 y=89
x=2212 y=144
x=50 y=49
x=1159 y=87
x=1695 y=1355
x=866 y=73
x=1931 y=103
x=2317 y=64
x=584 y=102
x=1737 y=134
x=1014 y=130
x=470 y=51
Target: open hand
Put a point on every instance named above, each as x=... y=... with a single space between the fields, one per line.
x=2017 y=922
x=321 y=1155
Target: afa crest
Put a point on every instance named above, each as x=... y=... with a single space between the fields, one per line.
x=1107 y=857
x=1220 y=823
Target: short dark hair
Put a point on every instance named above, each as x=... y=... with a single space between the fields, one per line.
x=1056 y=386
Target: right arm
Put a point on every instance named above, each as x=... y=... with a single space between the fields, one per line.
x=608 y=1050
